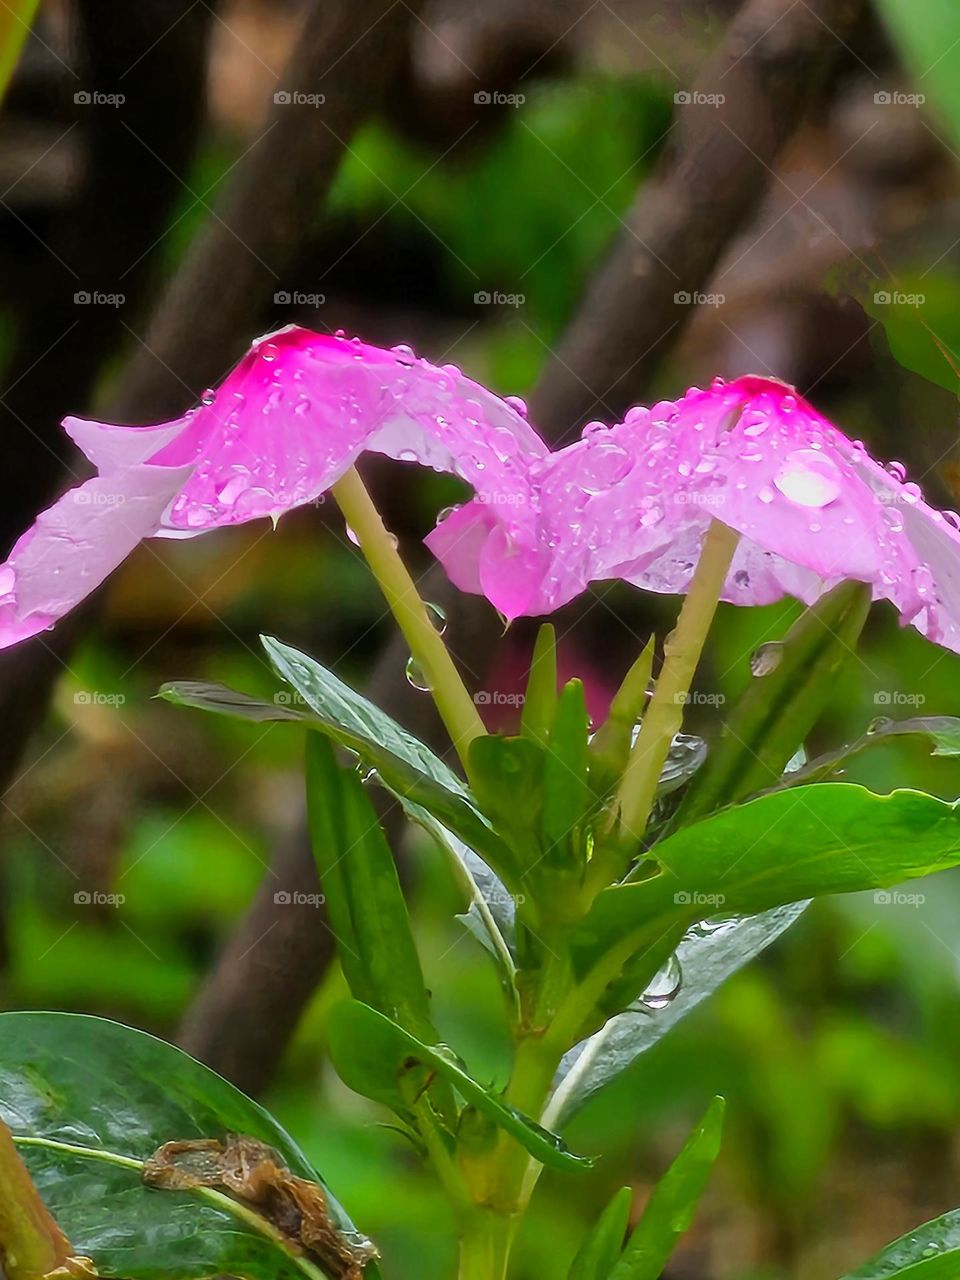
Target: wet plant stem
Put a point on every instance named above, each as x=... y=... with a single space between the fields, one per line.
x=456 y=707
x=681 y=654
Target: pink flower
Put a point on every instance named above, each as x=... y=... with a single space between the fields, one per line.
x=630 y=501
x=633 y=501
x=286 y=423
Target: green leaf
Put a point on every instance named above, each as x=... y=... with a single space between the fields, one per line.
x=708 y=955
x=540 y=699
x=920 y=314
x=928 y=36
x=932 y=1252
x=364 y=901
x=611 y=744
x=407 y=768
x=775 y=714
x=507 y=775
x=943 y=732
x=671 y=1207
x=88 y=1101
x=16 y=19
x=363 y=1043
x=801 y=843
x=598 y=1254
x=567 y=798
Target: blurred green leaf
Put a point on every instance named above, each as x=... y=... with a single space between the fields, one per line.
x=671 y=1207
x=15 y=22
x=920 y=314
x=928 y=36
x=610 y=747
x=598 y=1254
x=507 y=776
x=89 y=1100
x=931 y=1252
x=372 y=1053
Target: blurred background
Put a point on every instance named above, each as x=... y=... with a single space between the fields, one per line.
x=584 y=203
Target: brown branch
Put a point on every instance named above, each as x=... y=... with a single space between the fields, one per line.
x=714 y=175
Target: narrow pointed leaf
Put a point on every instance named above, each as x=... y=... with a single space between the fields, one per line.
x=598 y=1254
x=368 y=1049
x=671 y=1207
x=540 y=699
x=611 y=744
x=942 y=731
x=566 y=789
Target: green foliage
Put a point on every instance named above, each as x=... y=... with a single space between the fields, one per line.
x=920 y=314
x=600 y=1251
x=88 y=1101
x=928 y=36
x=673 y=1203
x=375 y=1056
x=932 y=1252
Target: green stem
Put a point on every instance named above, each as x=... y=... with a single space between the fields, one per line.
x=485 y=1246
x=454 y=703
x=16 y=18
x=681 y=654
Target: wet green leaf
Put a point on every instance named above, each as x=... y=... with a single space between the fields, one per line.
x=931 y=1252
x=598 y=1254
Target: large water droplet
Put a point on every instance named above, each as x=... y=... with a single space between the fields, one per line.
x=437 y=615
x=664 y=987
x=809 y=479
x=448 y=511
x=517 y=404
x=605 y=464
x=766 y=658
x=687 y=753
x=229 y=492
x=416 y=677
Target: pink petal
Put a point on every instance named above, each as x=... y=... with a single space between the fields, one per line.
x=75 y=544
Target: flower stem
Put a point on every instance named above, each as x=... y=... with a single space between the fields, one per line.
x=454 y=703
x=681 y=654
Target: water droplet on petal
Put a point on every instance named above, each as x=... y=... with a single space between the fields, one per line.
x=517 y=404
x=897 y=470
x=605 y=464
x=415 y=676
x=404 y=354
x=8 y=581
x=229 y=492
x=809 y=479
x=209 y=396
x=766 y=658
